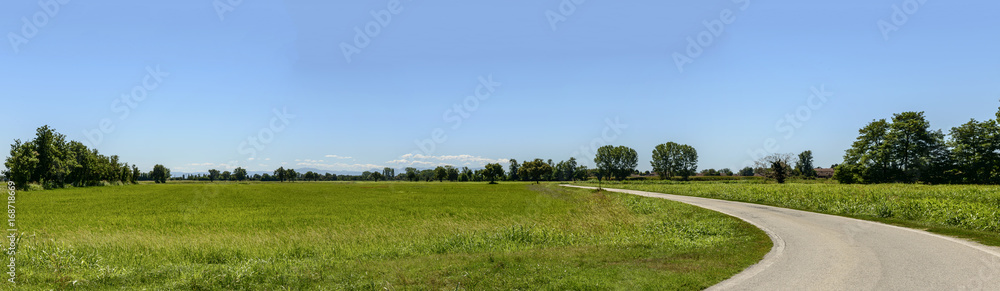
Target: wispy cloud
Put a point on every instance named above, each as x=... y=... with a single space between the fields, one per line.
x=454 y=160
x=340 y=166
x=338 y=157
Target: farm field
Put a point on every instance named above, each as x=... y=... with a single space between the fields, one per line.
x=969 y=211
x=392 y=235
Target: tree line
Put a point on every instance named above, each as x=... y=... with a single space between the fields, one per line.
x=53 y=162
x=904 y=149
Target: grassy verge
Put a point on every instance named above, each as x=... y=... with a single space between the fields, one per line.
x=265 y=236
x=967 y=211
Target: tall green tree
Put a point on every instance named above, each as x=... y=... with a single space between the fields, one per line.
x=240 y=174
x=440 y=173
x=673 y=159
x=492 y=172
x=213 y=175
x=804 y=166
x=534 y=170
x=411 y=174
x=514 y=170
x=976 y=151
x=617 y=162
x=160 y=174
x=280 y=174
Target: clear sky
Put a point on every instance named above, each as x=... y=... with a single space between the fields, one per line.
x=554 y=77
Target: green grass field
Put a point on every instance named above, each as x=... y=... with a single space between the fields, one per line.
x=268 y=236
x=969 y=211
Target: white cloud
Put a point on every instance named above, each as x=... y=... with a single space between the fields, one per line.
x=455 y=160
x=338 y=157
x=341 y=166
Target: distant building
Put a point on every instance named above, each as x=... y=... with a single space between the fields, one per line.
x=824 y=172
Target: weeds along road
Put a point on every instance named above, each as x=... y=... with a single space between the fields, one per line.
x=815 y=251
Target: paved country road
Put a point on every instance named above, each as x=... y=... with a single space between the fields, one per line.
x=815 y=251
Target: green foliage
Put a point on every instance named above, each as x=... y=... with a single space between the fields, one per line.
x=672 y=159
x=160 y=174
x=616 y=162
x=492 y=172
x=747 y=172
x=333 y=236
x=534 y=170
x=969 y=207
x=804 y=167
x=51 y=161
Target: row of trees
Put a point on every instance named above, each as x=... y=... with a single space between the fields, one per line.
x=905 y=149
x=53 y=162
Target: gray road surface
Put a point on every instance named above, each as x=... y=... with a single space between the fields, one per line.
x=815 y=251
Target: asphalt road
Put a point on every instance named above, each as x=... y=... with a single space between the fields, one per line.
x=815 y=251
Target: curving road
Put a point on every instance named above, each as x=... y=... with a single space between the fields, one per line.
x=815 y=251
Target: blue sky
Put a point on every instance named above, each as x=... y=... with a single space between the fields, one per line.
x=211 y=75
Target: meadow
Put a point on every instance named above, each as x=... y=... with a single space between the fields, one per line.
x=969 y=211
x=389 y=235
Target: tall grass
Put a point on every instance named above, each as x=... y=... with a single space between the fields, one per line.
x=968 y=207
x=373 y=236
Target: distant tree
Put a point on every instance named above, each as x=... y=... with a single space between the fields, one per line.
x=746 y=172
x=376 y=176
x=726 y=172
x=618 y=162
x=804 y=166
x=672 y=159
x=291 y=175
x=534 y=170
x=240 y=174
x=226 y=175
x=452 y=173
x=514 y=170
x=213 y=175
x=775 y=166
x=311 y=176
x=975 y=149
x=388 y=172
x=135 y=174
x=581 y=173
x=412 y=174
x=709 y=172
x=160 y=174
x=280 y=174
x=440 y=173
x=493 y=171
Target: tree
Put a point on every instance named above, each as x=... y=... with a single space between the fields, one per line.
x=534 y=170
x=976 y=151
x=804 y=166
x=312 y=176
x=213 y=175
x=581 y=173
x=411 y=174
x=726 y=172
x=452 y=173
x=160 y=174
x=291 y=175
x=376 y=176
x=618 y=162
x=775 y=166
x=388 y=172
x=440 y=173
x=672 y=159
x=513 y=170
x=240 y=174
x=746 y=172
x=709 y=172
x=911 y=141
x=280 y=174
x=492 y=172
